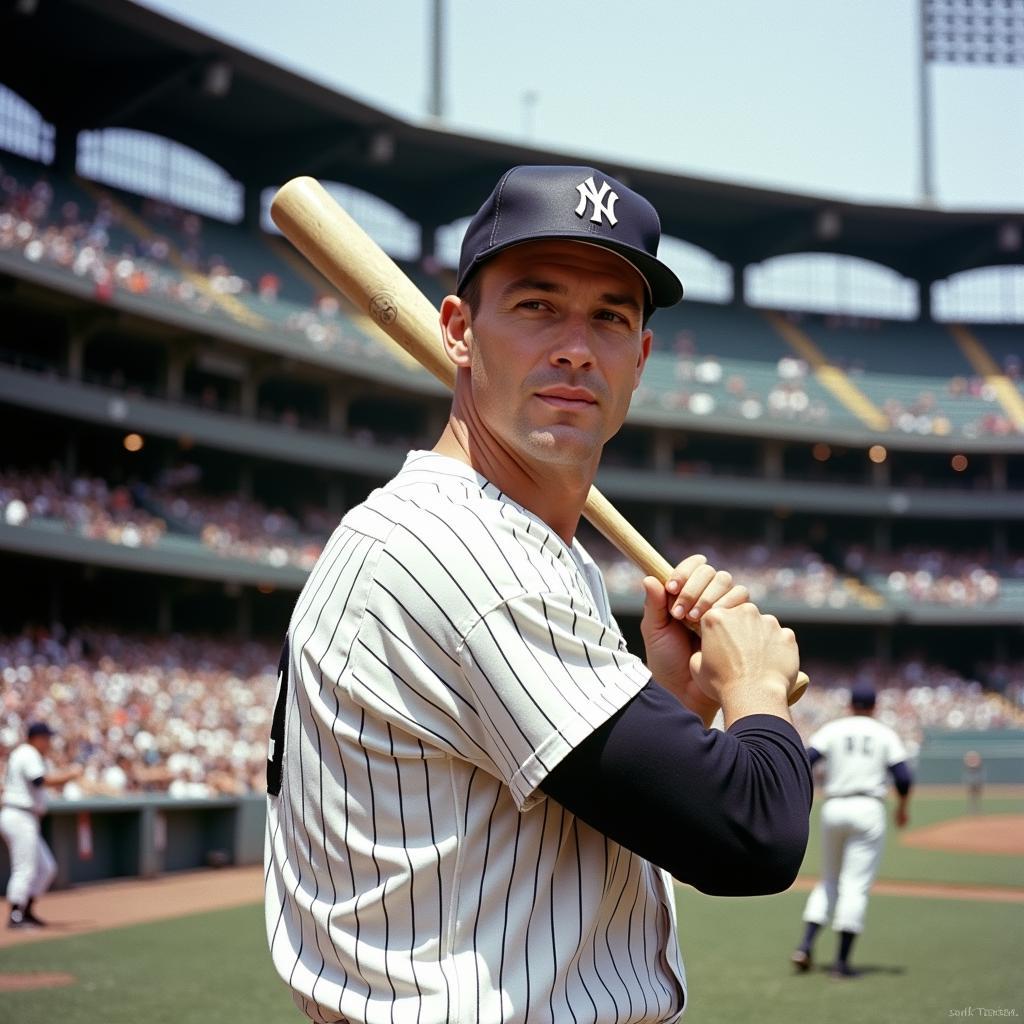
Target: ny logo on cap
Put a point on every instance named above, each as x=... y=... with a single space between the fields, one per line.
x=589 y=192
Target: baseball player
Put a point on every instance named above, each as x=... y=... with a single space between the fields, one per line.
x=24 y=804
x=477 y=793
x=858 y=753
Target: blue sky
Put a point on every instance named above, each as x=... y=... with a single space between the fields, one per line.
x=817 y=96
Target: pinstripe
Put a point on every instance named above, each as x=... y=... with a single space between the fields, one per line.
x=455 y=649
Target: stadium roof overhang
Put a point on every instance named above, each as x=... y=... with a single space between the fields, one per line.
x=90 y=64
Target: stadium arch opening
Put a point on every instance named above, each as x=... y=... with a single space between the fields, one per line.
x=831 y=283
x=23 y=130
x=160 y=168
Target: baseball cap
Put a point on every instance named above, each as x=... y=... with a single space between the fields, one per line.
x=39 y=729
x=862 y=695
x=581 y=204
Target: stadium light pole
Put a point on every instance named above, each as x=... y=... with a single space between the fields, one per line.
x=436 y=103
x=925 y=119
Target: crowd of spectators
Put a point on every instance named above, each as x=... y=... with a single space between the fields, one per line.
x=913 y=695
x=85 y=505
x=703 y=384
x=141 y=515
x=790 y=572
x=190 y=716
x=918 y=573
x=170 y=260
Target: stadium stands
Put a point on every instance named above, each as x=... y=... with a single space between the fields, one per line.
x=261 y=405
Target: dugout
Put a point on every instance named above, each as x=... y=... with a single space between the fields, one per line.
x=144 y=836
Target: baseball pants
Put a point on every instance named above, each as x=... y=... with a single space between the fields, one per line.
x=852 y=838
x=33 y=868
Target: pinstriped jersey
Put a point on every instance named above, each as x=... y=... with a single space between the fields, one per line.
x=446 y=652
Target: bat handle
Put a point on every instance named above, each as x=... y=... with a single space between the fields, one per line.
x=613 y=525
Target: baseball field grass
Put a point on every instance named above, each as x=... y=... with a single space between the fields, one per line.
x=923 y=959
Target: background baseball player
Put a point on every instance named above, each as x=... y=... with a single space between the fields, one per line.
x=858 y=754
x=24 y=804
x=471 y=778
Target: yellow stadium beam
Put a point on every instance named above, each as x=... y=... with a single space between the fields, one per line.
x=137 y=226
x=985 y=366
x=831 y=377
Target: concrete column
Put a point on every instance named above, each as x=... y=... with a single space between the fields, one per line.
x=76 y=355
x=245 y=481
x=251 y=206
x=883 y=646
x=771 y=460
x=337 y=410
x=176 y=375
x=248 y=397
x=880 y=474
x=773 y=531
x=336 y=497
x=739 y=290
x=243 y=610
x=663 y=452
x=164 y=615
x=924 y=301
x=662 y=528
x=71 y=456
x=882 y=536
x=65 y=150
x=56 y=605
x=998 y=464
x=1000 y=543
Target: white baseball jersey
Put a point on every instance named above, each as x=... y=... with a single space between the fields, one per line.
x=25 y=765
x=857 y=751
x=447 y=651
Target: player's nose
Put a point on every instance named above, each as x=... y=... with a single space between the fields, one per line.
x=573 y=347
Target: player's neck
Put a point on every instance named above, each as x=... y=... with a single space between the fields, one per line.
x=555 y=494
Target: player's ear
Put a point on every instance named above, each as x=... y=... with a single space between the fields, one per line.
x=457 y=329
x=646 y=339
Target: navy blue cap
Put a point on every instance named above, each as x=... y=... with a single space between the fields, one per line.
x=580 y=204
x=39 y=729
x=862 y=695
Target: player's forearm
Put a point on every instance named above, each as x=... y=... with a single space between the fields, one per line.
x=756 y=697
x=724 y=812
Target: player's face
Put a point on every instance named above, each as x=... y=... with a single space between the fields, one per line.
x=557 y=346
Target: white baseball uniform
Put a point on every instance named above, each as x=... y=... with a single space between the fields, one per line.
x=24 y=804
x=447 y=651
x=857 y=752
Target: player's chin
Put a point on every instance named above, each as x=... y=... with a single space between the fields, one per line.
x=566 y=445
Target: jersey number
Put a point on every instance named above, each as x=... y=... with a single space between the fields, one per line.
x=275 y=750
x=865 y=745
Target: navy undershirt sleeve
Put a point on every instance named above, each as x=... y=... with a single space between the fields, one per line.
x=901 y=777
x=725 y=812
x=814 y=756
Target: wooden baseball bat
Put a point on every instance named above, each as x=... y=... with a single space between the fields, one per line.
x=328 y=237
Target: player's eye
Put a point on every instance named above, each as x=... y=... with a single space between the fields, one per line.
x=611 y=316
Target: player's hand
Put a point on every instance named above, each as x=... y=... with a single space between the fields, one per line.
x=901 y=816
x=747 y=661
x=693 y=588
